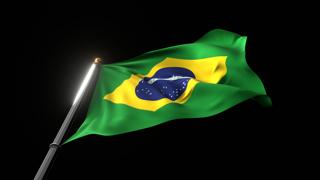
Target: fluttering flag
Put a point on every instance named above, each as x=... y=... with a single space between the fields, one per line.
x=193 y=80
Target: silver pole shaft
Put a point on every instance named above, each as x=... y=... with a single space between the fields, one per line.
x=63 y=129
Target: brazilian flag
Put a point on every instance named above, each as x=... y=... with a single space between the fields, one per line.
x=193 y=80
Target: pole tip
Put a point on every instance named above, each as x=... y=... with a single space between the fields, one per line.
x=97 y=60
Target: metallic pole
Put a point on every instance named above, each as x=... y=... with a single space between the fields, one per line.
x=57 y=141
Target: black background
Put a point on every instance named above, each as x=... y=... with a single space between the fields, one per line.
x=58 y=43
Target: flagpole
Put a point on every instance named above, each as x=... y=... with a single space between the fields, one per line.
x=53 y=147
